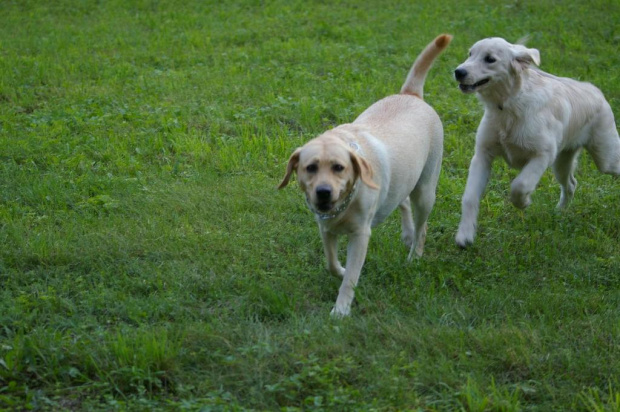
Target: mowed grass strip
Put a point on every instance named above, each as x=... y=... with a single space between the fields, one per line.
x=147 y=261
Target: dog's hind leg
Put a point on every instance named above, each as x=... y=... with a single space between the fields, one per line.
x=423 y=199
x=564 y=168
x=406 y=219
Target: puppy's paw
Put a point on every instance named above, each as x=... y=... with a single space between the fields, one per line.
x=521 y=202
x=520 y=194
x=465 y=236
x=418 y=246
x=563 y=203
x=415 y=251
x=407 y=238
x=339 y=312
x=567 y=194
x=338 y=272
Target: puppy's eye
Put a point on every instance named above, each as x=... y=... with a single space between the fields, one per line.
x=337 y=168
x=469 y=54
x=313 y=168
x=489 y=59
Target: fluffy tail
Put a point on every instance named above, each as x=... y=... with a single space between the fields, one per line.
x=414 y=84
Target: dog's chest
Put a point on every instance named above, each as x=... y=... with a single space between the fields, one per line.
x=516 y=142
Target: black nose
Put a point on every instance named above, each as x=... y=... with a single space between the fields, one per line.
x=323 y=193
x=460 y=74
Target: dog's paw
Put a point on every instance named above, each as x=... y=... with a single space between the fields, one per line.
x=567 y=194
x=521 y=202
x=465 y=237
x=339 y=312
x=562 y=204
x=415 y=251
x=337 y=272
x=407 y=238
x=520 y=194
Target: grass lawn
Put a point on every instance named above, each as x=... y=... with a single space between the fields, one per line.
x=147 y=261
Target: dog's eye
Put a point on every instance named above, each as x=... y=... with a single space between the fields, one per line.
x=489 y=59
x=313 y=168
x=469 y=54
x=337 y=168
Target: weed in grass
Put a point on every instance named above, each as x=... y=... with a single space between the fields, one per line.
x=593 y=399
x=476 y=400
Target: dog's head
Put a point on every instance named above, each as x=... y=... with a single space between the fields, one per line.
x=327 y=170
x=491 y=62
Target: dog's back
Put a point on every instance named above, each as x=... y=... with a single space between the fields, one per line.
x=392 y=116
x=578 y=106
x=409 y=132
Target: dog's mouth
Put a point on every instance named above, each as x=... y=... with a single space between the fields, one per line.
x=470 y=88
x=324 y=206
x=320 y=205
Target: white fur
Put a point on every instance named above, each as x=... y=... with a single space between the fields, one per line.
x=388 y=158
x=533 y=120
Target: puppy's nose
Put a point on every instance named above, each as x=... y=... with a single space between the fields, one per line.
x=323 y=193
x=460 y=74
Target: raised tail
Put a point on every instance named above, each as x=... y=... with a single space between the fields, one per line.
x=414 y=84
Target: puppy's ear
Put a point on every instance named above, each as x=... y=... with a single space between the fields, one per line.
x=363 y=169
x=293 y=161
x=526 y=56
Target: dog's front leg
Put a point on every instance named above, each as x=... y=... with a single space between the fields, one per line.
x=479 y=171
x=524 y=184
x=356 y=254
x=330 y=246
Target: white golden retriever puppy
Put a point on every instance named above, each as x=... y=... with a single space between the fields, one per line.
x=356 y=174
x=533 y=120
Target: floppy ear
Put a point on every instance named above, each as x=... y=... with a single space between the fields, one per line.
x=363 y=169
x=526 y=56
x=292 y=165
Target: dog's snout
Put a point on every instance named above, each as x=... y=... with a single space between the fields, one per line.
x=460 y=74
x=323 y=193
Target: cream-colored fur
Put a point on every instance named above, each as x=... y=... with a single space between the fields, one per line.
x=356 y=174
x=533 y=120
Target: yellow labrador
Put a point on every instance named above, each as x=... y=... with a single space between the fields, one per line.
x=356 y=174
x=533 y=120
